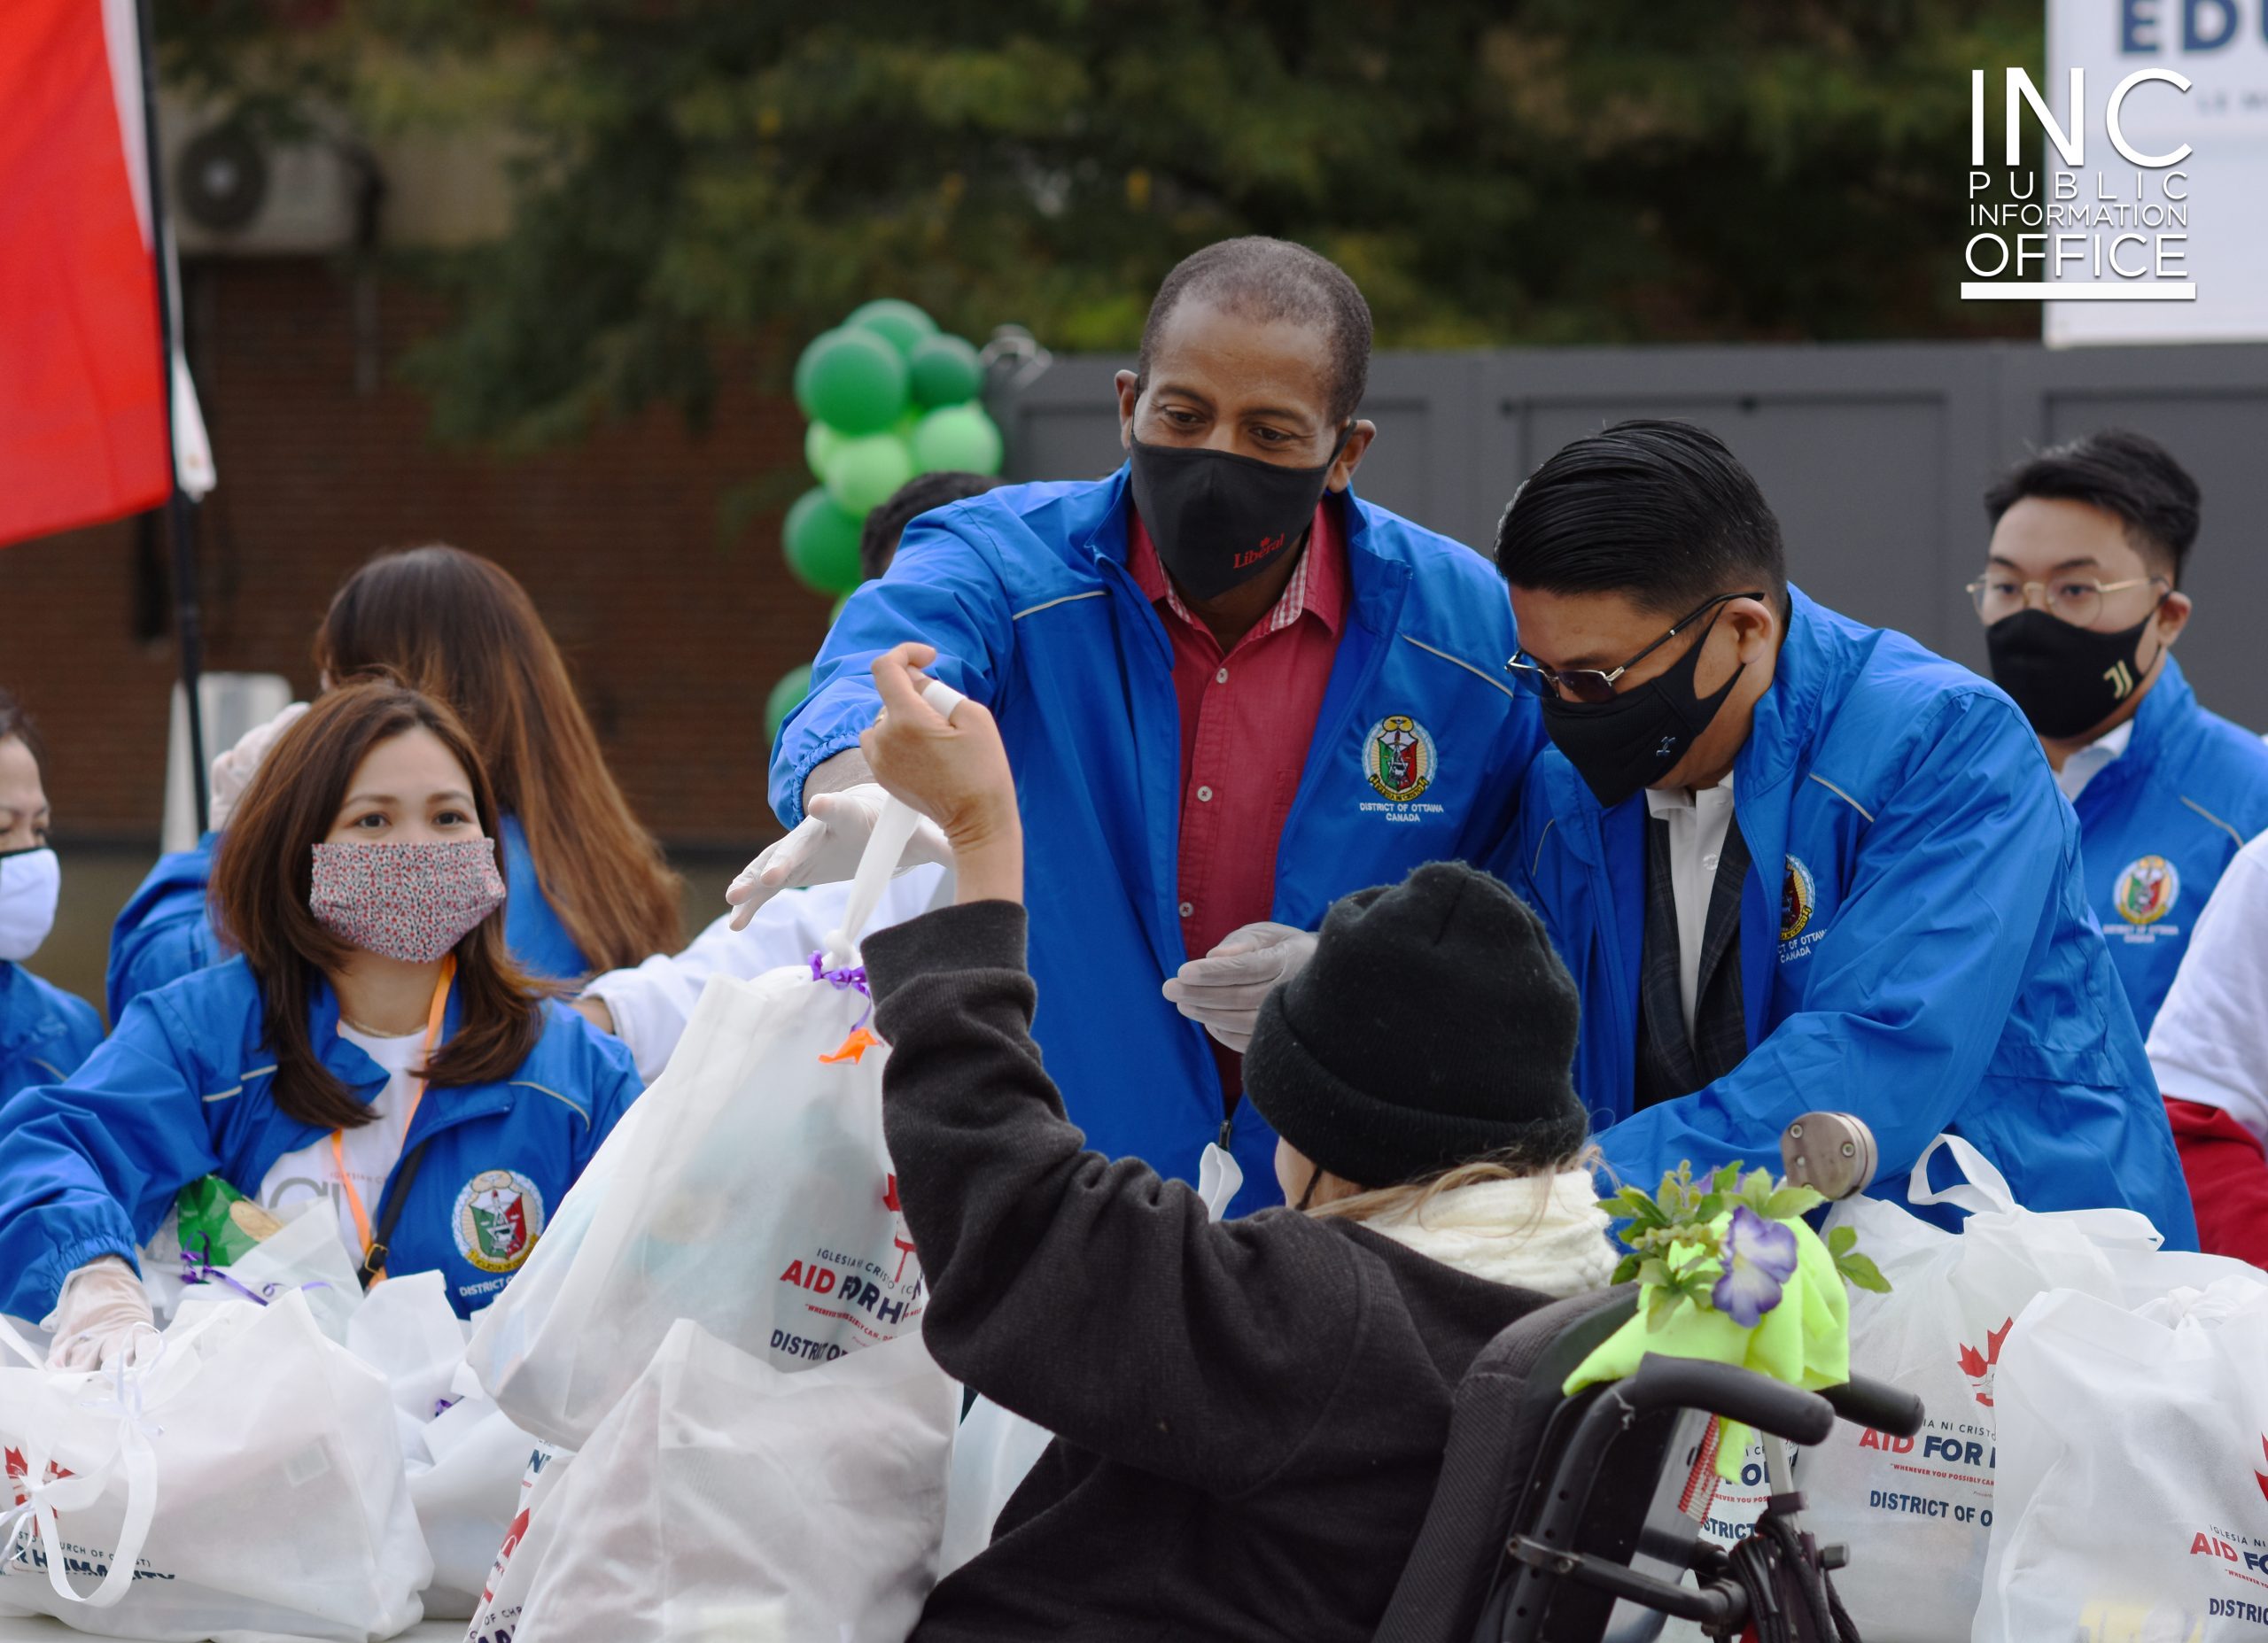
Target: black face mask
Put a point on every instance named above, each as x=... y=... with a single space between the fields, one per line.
x=2067 y=681
x=1633 y=741
x=1219 y=519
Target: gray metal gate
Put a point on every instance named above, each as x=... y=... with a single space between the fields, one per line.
x=1875 y=456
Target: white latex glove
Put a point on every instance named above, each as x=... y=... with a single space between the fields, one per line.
x=1224 y=988
x=101 y=1313
x=824 y=847
x=233 y=771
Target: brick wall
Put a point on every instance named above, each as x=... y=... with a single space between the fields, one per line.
x=673 y=637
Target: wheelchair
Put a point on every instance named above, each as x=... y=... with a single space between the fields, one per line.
x=1574 y=1520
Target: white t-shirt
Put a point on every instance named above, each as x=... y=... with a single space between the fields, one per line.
x=371 y=1148
x=2210 y=1043
x=1697 y=824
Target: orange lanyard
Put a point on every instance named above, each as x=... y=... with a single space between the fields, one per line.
x=416 y=1094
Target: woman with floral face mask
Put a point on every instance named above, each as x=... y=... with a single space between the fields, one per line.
x=373 y=1045
x=44 y=1031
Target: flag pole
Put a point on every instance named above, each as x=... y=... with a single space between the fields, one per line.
x=189 y=622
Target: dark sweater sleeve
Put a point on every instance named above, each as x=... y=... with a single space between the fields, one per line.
x=1087 y=1294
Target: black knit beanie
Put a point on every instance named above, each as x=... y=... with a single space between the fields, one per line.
x=1433 y=1024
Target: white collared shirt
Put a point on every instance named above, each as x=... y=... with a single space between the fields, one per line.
x=1698 y=822
x=2085 y=765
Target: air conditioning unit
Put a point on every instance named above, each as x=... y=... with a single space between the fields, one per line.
x=232 y=192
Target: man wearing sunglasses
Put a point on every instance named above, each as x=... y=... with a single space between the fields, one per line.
x=1796 y=862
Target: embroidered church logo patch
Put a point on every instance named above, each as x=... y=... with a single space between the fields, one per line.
x=499 y=1217
x=1398 y=756
x=2147 y=891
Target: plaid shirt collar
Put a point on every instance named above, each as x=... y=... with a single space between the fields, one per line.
x=1318 y=587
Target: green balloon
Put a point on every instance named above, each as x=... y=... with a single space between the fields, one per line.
x=822 y=543
x=899 y=321
x=959 y=437
x=787 y=695
x=945 y=371
x=862 y=472
x=851 y=379
x=821 y=442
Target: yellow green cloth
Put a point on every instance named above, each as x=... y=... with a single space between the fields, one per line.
x=1803 y=1340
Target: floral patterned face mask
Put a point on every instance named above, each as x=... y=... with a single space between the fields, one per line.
x=408 y=902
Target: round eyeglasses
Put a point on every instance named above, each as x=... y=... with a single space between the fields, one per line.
x=2076 y=600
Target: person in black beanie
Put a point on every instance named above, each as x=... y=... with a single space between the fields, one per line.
x=1250 y=1415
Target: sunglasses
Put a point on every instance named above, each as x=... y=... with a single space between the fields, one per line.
x=1596 y=685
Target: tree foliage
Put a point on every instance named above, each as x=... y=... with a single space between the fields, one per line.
x=697 y=173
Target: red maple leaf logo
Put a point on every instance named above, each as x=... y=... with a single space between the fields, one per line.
x=13 y=1466
x=1978 y=1366
x=2257 y=1478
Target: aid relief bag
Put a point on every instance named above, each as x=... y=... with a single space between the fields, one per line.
x=2134 y=1484
x=505 y=1593
x=753 y=1196
x=1917 y=1512
x=723 y=1498
x=247 y=1480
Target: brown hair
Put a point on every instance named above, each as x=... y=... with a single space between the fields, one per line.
x=1410 y=1200
x=458 y=627
x=264 y=870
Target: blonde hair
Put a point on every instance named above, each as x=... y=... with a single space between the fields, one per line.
x=1411 y=1199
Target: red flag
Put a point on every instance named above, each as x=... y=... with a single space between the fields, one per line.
x=82 y=430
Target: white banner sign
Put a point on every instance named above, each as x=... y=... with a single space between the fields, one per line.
x=2160 y=234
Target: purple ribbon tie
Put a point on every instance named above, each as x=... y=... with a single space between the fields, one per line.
x=848 y=977
x=196 y=1268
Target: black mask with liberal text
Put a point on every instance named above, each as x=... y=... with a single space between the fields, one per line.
x=1218 y=519
x=1633 y=741
x=2067 y=679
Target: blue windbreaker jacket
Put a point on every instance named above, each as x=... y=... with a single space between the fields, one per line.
x=164 y=932
x=2160 y=824
x=181 y=1090
x=44 y=1031
x=1915 y=943
x=1026 y=595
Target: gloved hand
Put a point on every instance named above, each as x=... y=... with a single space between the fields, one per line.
x=233 y=771
x=1224 y=988
x=101 y=1313
x=824 y=847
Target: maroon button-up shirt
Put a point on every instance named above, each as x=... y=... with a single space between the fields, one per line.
x=1247 y=716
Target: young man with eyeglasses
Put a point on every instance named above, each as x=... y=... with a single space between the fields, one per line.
x=2081 y=598
x=1794 y=861
x=2082 y=601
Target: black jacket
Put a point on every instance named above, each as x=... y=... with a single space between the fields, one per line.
x=1251 y=1415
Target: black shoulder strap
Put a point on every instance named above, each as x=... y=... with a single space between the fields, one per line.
x=389 y=1212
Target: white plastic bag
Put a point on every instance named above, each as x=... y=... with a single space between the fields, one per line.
x=462 y=1455
x=994 y=1451
x=2131 y=1471
x=305 y=1254
x=1917 y=1512
x=506 y=1592
x=754 y=1197
x=248 y=1480
x=723 y=1498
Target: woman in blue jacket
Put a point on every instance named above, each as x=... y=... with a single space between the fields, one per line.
x=592 y=891
x=44 y=1031
x=373 y=1045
